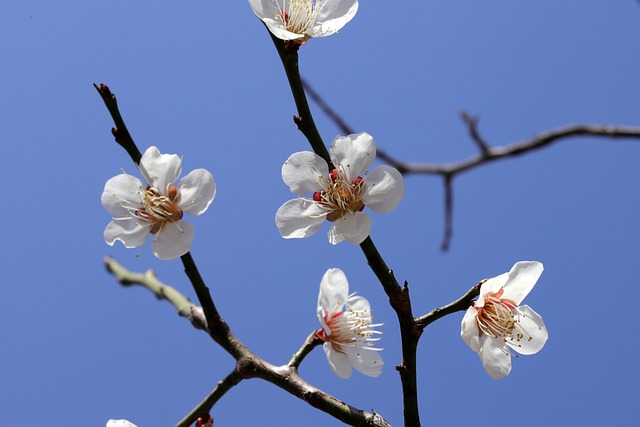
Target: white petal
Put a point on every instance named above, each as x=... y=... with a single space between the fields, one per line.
x=197 y=191
x=536 y=332
x=122 y=190
x=522 y=277
x=264 y=8
x=334 y=290
x=120 y=423
x=333 y=16
x=173 y=241
x=357 y=303
x=492 y=285
x=367 y=362
x=299 y=218
x=353 y=153
x=495 y=358
x=384 y=188
x=469 y=329
x=305 y=172
x=267 y=10
x=338 y=361
x=160 y=170
x=352 y=227
x=130 y=231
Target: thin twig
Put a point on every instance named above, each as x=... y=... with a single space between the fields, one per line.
x=204 y=407
x=460 y=304
x=310 y=343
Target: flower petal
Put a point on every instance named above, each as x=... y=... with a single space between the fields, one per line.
x=173 y=241
x=197 y=191
x=384 y=188
x=367 y=362
x=333 y=15
x=496 y=358
x=334 y=290
x=536 y=333
x=522 y=277
x=120 y=423
x=492 y=285
x=338 y=361
x=351 y=227
x=299 y=218
x=357 y=303
x=469 y=329
x=267 y=10
x=353 y=153
x=121 y=193
x=130 y=231
x=305 y=172
x=160 y=170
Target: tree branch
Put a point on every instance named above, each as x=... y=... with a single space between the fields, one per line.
x=248 y=365
x=460 y=304
x=205 y=406
x=487 y=153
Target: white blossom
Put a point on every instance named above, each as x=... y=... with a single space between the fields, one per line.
x=302 y=19
x=340 y=195
x=157 y=206
x=497 y=323
x=347 y=330
x=120 y=423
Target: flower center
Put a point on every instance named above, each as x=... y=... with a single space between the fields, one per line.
x=159 y=209
x=299 y=15
x=499 y=318
x=350 y=329
x=341 y=196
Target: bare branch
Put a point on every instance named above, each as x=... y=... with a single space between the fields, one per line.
x=487 y=153
x=205 y=406
x=472 y=124
x=460 y=304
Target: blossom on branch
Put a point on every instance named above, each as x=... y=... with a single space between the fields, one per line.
x=157 y=206
x=120 y=423
x=347 y=329
x=340 y=195
x=497 y=323
x=302 y=19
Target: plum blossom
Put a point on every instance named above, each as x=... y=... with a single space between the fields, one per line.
x=339 y=195
x=120 y=423
x=347 y=329
x=157 y=206
x=497 y=323
x=302 y=19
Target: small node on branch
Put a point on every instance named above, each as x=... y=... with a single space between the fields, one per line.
x=205 y=421
x=297 y=120
x=104 y=90
x=114 y=132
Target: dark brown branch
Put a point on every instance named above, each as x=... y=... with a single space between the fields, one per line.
x=401 y=302
x=205 y=406
x=460 y=304
x=398 y=296
x=120 y=131
x=472 y=125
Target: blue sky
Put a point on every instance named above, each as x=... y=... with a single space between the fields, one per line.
x=203 y=80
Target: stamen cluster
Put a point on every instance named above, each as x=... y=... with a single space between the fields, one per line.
x=160 y=209
x=341 y=196
x=300 y=15
x=350 y=329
